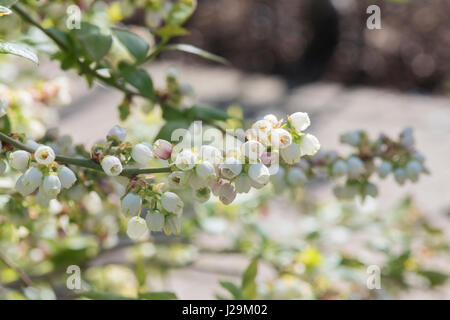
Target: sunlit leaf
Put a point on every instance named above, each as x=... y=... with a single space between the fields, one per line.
x=137 y=46
x=18 y=50
x=181 y=11
x=197 y=51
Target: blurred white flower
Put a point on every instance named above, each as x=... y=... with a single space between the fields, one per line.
x=155 y=221
x=118 y=132
x=300 y=121
x=309 y=145
x=172 y=203
x=131 y=204
x=137 y=228
x=280 y=138
x=231 y=168
x=296 y=177
x=51 y=186
x=291 y=154
x=259 y=173
x=19 y=160
x=66 y=176
x=162 y=149
x=142 y=153
x=186 y=160
x=384 y=169
x=242 y=183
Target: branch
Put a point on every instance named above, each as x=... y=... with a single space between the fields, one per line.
x=22 y=275
x=80 y=162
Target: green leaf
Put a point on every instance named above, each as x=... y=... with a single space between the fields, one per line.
x=248 y=280
x=95 y=44
x=138 y=78
x=166 y=131
x=61 y=36
x=4 y=11
x=18 y=50
x=161 y=295
x=137 y=46
x=124 y=111
x=205 y=113
x=197 y=51
x=5 y=125
x=436 y=278
x=95 y=295
x=181 y=11
x=233 y=289
x=170 y=31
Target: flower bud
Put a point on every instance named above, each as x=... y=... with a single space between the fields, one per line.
x=299 y=120
x=202 y=194
x=355 y=167
x=352 y=138
x=215 y=187
x=155 y=221
x=172 y=203
x=32 y=179
x=118 y=132
x=137 y=228
x=66 y=176
x=280 y=138
x=227 y=193
x=172 y=225
x=296 y=177
x=131 y=204
x=413 y=169
x=231 y=168
x=384 y=169
x=142 y=153
x=242 y=184
x=206 y=171
x=162 y=149
x=407 y=138
x=186 y=160
x=44 y=155
x=291 y=154
x=400 y=175
x=418 y=156
x=370 y=190
x=259 y=173
x=19 y=160
x=339 y=169
x=51 y=186
x=309 y=145
x=252 y=150
x=111 y=165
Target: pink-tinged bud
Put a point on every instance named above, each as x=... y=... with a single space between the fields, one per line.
x=162 y=149
x=227 y=193
x=267 y=158
x=215 y=187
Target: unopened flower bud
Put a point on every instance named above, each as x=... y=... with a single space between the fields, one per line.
x=413 y=169
x=279 y=179
x=242 y=184
x=137 y=228
x=118 y=132
x=400 y=175
x=299 y=120
x=370 y=190
x=206 y=171
x=155 y=221
x=259 y=173
x=66 y=176
x=384 y=169
x=339 y=169
x=131 y=204
x=19 y=160
x=51 y=186
x=355 y=167
x=142 y=153
x=172 y=225
x=296 y=177
x=172 y=203
x=162 y=149
x=44 y=155
x=352 y=138
x=291 y=154
x=111 y=165
x=309 y=145
x=227 y=193
x=32 y=179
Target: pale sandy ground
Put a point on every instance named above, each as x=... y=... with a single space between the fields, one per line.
x=333 y=108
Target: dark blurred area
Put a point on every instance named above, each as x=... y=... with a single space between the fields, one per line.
x=310 y=40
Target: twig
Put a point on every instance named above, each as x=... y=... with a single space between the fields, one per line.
x=22 y=275
x=86 y=163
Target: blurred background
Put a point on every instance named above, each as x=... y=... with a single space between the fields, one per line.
x=319 y=57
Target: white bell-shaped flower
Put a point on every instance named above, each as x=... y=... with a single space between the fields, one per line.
x=67 y=177
x=155 y=221
x=118 y=132
x=137 y=228
x=131 y=204
x=309 y=145
x=44 y=155
x=259 y=173
x=291 y=154
x=19 y=160
x=172 y=203
x=231 y=168
x=186 y=160
x=51 y=186
x=300 y=121
x=111 y=165
x=142 y=153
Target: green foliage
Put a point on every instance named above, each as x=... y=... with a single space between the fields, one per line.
x=137 y=46
x=138 y=78
x=181 y=11
x=248 y=288
x=94 y=43
x=197 y=51
x=18 y=50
